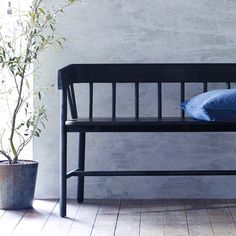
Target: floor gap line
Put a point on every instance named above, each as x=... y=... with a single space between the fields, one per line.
x=230 y=212
x=117 y=217
x=18 y=222
x=49 y=216
x=206 y=205
x=96 y=217
x=140 y=217
x=73 y=219
x=184 y=202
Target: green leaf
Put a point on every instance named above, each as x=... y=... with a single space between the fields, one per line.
x=42 y=124
x=3 y=53
x=42 y=37
x=49 y=17
x=27 y=84
x=71 y=1
x=42 y=10
x=19 y=126
x=36 y=133
x=59 y=42
x=52 y=27
x=33 y=16
x=9 y=44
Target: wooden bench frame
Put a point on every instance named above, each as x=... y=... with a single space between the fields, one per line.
x=133 y=73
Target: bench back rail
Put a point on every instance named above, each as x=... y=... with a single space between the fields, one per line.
x=141 y=73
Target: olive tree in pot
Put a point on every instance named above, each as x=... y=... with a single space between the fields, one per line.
x=21 y=41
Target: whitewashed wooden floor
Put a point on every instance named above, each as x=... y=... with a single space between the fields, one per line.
x=124 y=218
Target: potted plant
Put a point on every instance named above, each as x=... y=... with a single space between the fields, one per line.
x=22 y=39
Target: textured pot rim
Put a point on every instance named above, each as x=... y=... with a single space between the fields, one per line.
x=27 y=162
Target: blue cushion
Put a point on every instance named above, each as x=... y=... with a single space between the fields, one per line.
x=215 y=105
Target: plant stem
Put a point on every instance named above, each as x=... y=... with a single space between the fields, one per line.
x=6 y=155
x=18 y=104
x=19 y=99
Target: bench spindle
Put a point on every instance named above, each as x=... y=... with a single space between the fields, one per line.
x=136 y=100
x=90 y=100
x=72 y=104
x=205 y=87
x=228 y=85
x=159 y=99
x=113 y=100
x=182 y=97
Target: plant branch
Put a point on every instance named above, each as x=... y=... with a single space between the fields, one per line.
x=33 y=35
x=6 y=155
x=21 y=147
x=9 y=56
x=19 y=100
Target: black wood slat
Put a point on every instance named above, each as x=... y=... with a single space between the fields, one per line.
x=152 y=173
x=74 y=101
x=182 y=97
x=90 y=100
x=131 y=73
x=113 y=100
x=151 y=127
x=205 y=87
x=63 y=152
x=136 y=100
x=81 y=166
x=159 y=100
x=71 y=99
x=70 y=102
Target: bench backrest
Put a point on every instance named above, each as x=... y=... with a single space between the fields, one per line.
x=141 y=73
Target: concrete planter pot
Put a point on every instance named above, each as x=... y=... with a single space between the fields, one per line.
x=17 y=184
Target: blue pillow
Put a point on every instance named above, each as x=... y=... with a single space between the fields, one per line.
x=215 y=105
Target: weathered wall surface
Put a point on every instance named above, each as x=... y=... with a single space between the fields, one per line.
x=100 y=31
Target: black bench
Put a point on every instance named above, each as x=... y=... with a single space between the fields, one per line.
x=133 y=73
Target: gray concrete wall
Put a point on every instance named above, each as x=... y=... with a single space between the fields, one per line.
x=140 y=31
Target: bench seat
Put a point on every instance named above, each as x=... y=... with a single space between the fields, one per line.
x=146 y=124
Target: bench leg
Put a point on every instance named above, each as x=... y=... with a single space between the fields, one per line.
x=63 y=170
x=81 y=164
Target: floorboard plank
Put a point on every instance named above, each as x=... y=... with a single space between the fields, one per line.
x=175 y=223
x=221 y=219
x=198 y=220
x=57 y=225
x=152 y=219
x=84 y=220
x=10 y=220
x=128 y=223
x=35 y=218
x=106 y=218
